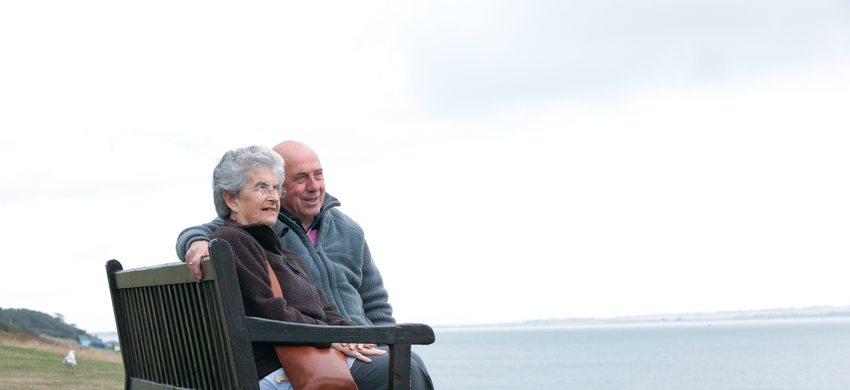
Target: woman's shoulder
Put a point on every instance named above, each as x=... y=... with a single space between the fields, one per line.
x=245 y=248
x=235 y=235
x=229 y=231
x=256 y=235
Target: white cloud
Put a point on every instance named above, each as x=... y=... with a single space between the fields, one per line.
x=477 y=56
x=611 y=159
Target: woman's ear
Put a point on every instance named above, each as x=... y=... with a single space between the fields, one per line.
x=231 y=202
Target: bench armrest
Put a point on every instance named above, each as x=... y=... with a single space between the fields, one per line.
x=265 y=330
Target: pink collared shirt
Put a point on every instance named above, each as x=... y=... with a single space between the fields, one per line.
x=313 y=234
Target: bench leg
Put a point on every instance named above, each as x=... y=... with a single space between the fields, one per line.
x=399 y=367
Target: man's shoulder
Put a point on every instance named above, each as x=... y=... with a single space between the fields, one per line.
x=331 y=210
x=343 y=219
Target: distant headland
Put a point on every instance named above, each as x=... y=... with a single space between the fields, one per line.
x=767 y=314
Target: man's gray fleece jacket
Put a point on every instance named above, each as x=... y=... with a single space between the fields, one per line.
x=340 y=262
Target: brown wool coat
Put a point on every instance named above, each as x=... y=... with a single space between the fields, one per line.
x=302 y=302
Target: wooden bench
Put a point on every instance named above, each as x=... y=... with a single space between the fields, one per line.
x=179 y=334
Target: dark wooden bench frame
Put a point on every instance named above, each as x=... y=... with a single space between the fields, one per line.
x=179 y=334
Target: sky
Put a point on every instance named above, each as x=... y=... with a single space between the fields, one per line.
x=508 y=161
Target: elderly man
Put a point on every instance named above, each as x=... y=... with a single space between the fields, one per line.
x=330 y=243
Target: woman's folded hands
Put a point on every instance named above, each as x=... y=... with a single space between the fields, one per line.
x=358 y=351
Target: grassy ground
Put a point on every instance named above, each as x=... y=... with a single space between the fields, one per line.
x=37 y=364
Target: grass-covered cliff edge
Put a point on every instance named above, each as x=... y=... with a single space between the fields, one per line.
x=32 y=346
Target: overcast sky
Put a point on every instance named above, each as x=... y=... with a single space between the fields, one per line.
x=507 y=160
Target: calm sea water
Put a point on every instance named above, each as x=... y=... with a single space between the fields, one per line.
x=766 y=354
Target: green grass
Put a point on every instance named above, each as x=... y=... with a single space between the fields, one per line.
x=22 y=368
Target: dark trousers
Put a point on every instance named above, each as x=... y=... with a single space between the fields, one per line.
x=373 y=376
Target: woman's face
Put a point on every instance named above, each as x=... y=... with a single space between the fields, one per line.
x=254 y=205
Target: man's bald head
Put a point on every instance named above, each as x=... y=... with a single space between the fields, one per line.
x=304 y=181
x=288 y=149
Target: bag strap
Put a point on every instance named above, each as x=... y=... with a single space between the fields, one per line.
x=309 y=367
x=275 y=284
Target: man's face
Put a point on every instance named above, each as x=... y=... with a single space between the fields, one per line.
x=305 y=186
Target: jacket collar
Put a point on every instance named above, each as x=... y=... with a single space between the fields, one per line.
x=330 y=202
x=260 y=229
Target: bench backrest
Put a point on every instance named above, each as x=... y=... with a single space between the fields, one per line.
x=177 y=333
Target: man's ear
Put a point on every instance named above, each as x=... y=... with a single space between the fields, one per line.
x=230 y=200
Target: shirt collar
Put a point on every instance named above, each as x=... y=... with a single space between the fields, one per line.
x=298 y=222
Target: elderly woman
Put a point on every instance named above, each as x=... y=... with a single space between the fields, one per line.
x=247 y=191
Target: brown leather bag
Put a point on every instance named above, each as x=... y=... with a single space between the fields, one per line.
x=311 y=368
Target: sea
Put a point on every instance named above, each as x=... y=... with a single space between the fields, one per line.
x=786 y=354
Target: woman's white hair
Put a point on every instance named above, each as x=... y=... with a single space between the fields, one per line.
x=232 y=172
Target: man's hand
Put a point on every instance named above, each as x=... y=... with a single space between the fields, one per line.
x=198 y=250
x=358 y=351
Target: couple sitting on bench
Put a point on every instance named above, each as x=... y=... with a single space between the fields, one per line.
x=248 y=187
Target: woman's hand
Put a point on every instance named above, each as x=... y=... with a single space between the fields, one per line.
x=358 y=351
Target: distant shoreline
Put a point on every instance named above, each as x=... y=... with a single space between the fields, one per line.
x=767 y=314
